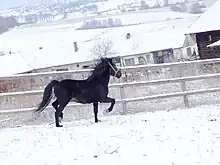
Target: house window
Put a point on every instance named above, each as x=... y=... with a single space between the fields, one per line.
x=158 y=57
x=141 y=61
x=210 y=37
x=116 y=60
x=148 y=58
x=189 y=51
x=85 y=67
x=129 y=62
x=62 y=69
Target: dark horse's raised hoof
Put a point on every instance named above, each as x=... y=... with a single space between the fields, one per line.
x=106 y=111
x=59 y=125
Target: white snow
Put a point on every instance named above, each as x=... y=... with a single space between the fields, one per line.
x=179 y=137
x=114 y=4
x=57 y=40
x=12 y=64
x=148 y=42
x=207 y=21
x=217 y=43
x=149 y=17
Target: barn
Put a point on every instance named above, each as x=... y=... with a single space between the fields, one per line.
x=206 y=31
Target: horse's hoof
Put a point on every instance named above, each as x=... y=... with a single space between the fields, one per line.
x=105 y=111
x=96 y=121
x=59 y=126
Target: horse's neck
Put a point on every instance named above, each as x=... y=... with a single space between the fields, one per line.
x=106 y=79
x=102 y=79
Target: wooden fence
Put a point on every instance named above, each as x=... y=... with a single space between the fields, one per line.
x=123 y=100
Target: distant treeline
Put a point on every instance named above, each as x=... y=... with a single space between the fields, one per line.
x=6 y=23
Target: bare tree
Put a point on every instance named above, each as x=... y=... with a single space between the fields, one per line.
x=102 y=48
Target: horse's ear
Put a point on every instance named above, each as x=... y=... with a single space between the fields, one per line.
x=102 y=59
x=105 y=59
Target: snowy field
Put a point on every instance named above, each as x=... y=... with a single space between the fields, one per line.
x=180 y=137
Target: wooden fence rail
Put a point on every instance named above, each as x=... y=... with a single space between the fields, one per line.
x=127 y=69
x=124 y=100
x=152 y=82
x=121 y=86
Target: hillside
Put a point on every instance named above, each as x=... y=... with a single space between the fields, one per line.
x=36 y=11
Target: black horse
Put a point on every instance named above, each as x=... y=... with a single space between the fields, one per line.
x=94 y=89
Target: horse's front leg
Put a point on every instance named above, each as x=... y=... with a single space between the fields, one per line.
x=108 y=100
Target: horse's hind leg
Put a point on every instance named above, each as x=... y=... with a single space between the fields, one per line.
x=63 y=99
x=59 y=111
x=55 y=106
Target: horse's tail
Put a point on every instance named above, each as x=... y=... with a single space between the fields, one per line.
x=47 y=96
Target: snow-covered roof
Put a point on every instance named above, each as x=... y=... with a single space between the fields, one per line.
x=149 y=42
x=12 y=64
x=63 y=53
x=217 y=43
x=57 y=41
x=42 y=58
x=207 y=21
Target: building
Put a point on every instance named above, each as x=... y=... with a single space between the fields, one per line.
x=138 y=49
x=190 y=49
x=205 y=31
x=64 y=48
x=152 y=48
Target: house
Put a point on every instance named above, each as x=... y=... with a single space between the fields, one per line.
x=64 y=48
x=138 y=49
x=156 y=47
x=205 y=31
x=190 y=49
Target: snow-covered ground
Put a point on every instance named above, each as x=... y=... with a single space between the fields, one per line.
x=179 y=137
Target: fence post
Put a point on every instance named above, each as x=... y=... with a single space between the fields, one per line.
x=214 y=68
x=183 y=88
x=122 y=95
x=124 y=105
x=185 y=97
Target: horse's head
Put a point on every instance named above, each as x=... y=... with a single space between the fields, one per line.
x=109 y=64
x=105 y=67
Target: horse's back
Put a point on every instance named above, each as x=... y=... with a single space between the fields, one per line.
x=71 y=83
x=83 y=91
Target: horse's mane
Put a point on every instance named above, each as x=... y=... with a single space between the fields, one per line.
x=97 y=67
